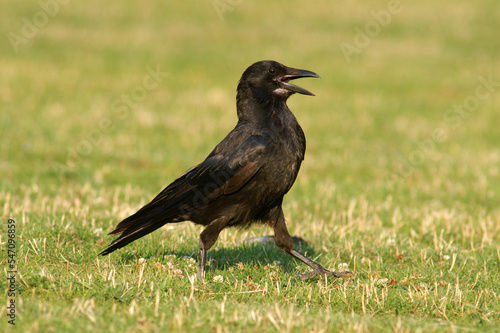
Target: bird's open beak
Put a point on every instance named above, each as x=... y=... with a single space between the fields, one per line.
x=293 y=74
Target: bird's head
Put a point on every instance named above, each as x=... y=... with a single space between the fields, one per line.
x=269 y=80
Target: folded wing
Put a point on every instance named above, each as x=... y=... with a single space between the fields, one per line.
x=223 y=173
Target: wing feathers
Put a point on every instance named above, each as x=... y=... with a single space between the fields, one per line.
x=220 y=174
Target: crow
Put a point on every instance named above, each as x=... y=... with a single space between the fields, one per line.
x=243 y=180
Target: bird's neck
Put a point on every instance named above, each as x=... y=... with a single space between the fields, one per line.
x=258 y=109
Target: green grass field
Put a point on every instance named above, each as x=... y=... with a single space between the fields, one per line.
x=400 y=182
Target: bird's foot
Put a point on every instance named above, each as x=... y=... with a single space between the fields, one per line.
x=323 y=273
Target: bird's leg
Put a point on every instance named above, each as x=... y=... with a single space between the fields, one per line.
x=203 y=261
x=284 y=241
x=207 y=239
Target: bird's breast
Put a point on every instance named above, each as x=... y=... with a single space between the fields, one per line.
x=283 y=164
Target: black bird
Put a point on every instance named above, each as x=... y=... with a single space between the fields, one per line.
x=245 y=177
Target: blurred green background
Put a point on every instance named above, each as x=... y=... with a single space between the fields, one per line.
x=370 y=113
x=403 y=134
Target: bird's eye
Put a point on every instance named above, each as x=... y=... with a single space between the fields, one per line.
x=272 y=70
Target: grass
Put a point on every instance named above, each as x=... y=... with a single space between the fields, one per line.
x=396 y=185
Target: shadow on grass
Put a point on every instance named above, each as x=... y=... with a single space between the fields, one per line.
x=256 y=252
x=252 y=252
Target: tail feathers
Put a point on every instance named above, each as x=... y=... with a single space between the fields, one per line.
x=131 y=235
x=148 y=219
x=173 y=204
x=136 y=226
x=168 y=209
